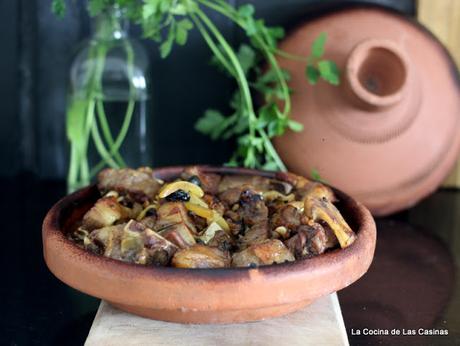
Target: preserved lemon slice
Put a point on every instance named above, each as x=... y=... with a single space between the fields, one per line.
x=217 y=218
x=208 y=214
x=198 y=201
x=200 y=211
x=180 y=185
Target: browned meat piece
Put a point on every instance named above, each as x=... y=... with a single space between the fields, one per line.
x=222 y=241
x=231 y=196
x=201 y=256
x=132 y=242
x=287 y=216
x=214 y=203
x=256 y=182
x=104 y=213
x=309 y=241
x=315 y=190
x=254 y=235
x=209 y=182
x=268 y=252
x=292 y=179
x=252 y=207
x=172 y=213
x=159 y=250
x=139 y=185
x=281 y=186
x=149 y=221
x=323 y=210
x=107 y=241
x=199 y=222
x=179 y=234
x=234 y=221
x=332 y=240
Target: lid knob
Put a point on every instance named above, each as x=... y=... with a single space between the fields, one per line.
x=376 y=72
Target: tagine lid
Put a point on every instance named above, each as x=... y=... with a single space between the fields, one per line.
x=390 y=132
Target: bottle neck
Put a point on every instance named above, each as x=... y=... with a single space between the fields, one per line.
x=110 y=25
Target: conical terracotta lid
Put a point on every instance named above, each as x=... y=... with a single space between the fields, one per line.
x=390 y=133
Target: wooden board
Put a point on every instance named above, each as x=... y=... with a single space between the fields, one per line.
x=442 y=17
x=319 y=324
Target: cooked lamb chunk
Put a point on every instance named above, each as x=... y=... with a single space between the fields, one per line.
x=149 y=221
x=288 y=216
x=258 y=233
x=214 y=203
x=316 y=190
x=133 y=242
x=310 y=241
x=200 y=222
x=104 y=213
x=201 y=256
x=255 y=181
x=159 y=249
x=268 y=252
x=231 y=196
x=222 y=241
x=209 y=182
x=281 y=186
x=179 y=234
x=139 y=185
x=108 y=240
x=234 y=221
x=322 y=210
x=172 y=213
x=252 y=207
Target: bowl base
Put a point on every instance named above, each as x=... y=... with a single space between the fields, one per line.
x=213 y=316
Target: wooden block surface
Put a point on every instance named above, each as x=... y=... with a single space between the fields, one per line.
x=321 y=323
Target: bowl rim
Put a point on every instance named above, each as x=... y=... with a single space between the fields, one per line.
x=53 y=222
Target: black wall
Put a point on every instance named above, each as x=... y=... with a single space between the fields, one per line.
x=36 y=54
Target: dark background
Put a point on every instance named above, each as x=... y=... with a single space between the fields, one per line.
x=34 y=65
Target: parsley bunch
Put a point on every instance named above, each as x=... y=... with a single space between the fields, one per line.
x=168 y=22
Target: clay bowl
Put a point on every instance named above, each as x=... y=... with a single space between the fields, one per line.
x=204 y=295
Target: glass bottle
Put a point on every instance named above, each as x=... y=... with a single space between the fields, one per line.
x=107 y=115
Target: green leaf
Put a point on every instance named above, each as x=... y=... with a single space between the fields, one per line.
x=295 y=126
x=329 y=71
x=250 y=159
x=166 y=46
x=317 y=47
x=241 y=125
x=312 y=74
x=232 y=163
x=314 y=174
x=246 y=10
x=95 y=7
x=58 y=7
x=276 y=32
x=211 y=119
x=149 y=9
x=247 y=57
x=276 y=128
x=183 y=28
x=270 y=166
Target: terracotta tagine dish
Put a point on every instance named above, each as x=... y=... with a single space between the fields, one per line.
x=222 y=295
x=390 y=132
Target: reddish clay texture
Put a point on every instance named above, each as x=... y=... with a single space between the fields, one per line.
x=390 y=132
x=204 y=295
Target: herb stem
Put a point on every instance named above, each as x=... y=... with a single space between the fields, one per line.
x=107 y=133
x=271 y=150
x=239 y=74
